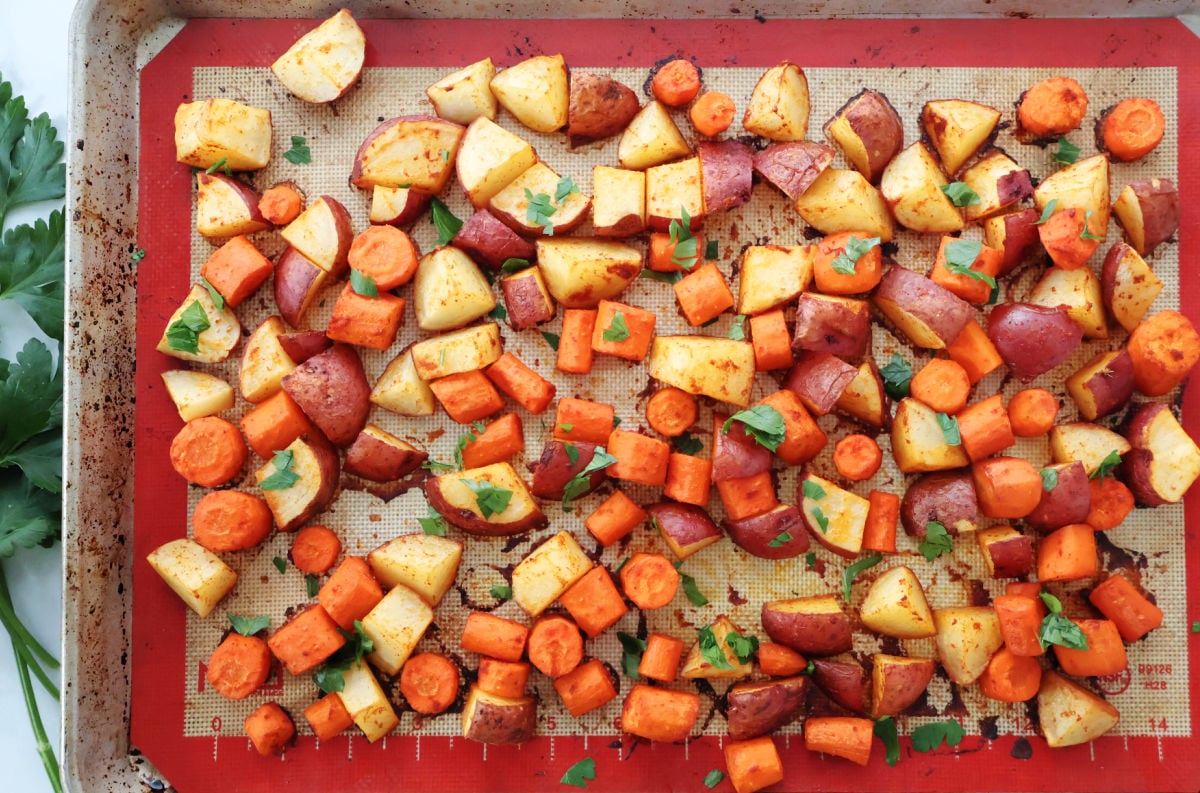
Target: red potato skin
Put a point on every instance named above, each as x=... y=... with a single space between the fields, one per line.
x=297 y=282
x=1032 y=339
x=415 y=203
x=813 y=633
x=554 y=469
x=1014 y=186
x=754 y=535
x=898 y=683
x=1012 y=557
x=1020 y=238
x=527 y=304
x=792 y=166
x=599 y=107
x=1159 y=201
x=1068 y=502
x=356 y=171
x=843 y=682
x=345 y=234
x=944 y=312
x=947 y=497
x=760 y=708
x=327 y=459
x=332 y=390
x=375 y=459
x=727 y=171
x=735 y=453
x=471 y=523
x=1111 y=386
x=304 y=345
x=838 y=327
x=487 y=240
x=1135 y=465
x=687 y=524
x=245 y=192
x=819 y=379
x=876 y=123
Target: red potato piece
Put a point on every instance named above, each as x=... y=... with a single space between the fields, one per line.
x=1148 y=210
x=1032 y=339
x=792 y=166
x=1068 y=501
x=488 y=241
x=869 y=131
x=819 y=379
x=736 y=453
x=304 y=345
x=837 y=325
x=726 y=168
x=332 y=390
x=382 y=457
x=554 y=469
x=762 y=707
x=843 y=682
x=815 y=625
x=598 y=107
x=1164 y=461
x=930 y=315
x=947 y=497
x=686 y=528
x=778 y=534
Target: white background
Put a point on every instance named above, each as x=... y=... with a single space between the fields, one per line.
x=33 y=57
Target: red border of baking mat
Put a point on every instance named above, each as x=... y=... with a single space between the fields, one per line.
x=400 y=762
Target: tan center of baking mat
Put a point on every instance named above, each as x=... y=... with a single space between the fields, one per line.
x=1152 y=696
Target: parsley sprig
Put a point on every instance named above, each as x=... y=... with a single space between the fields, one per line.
x=763 y=422
x=1056 y=628
x=329 y=678
x=937 y=541
x=491 y=500
x=856 y=248
x=684 y=252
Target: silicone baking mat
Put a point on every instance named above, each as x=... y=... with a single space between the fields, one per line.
x=191 y=733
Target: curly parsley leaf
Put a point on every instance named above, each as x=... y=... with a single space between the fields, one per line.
x=897 y=375
x=299 y=154
x=856 y=248
x=248 y=626
x=31 y=270
x=631 y=654
x=885 y=730
x=580 y=774
x=445 y=222
x=928 y=737
x=960 y=194
x=937 y=541
x=283 y=476
x=763 y=422
x=358 y=644
x=852 y=570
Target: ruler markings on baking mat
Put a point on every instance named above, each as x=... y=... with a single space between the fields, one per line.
x=1153 y=696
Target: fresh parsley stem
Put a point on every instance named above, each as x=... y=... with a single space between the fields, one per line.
x=17 y=629
x=44 y=749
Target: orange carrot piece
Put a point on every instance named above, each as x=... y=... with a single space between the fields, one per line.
x=306 y=640
x=747 y=496
x=467 y=396
x=882 y=513
x=575 y=343
x=650 y=580
x=237 y=269
x=703 y=295
x=1009 y=677
x=281 y=203
x=328 y=717
x=499 y=441
x=803 y=438
x=660 y=659
x=1132 y=128
x=857 y=457
x=1062 y=237
x=503 y=678
x=370 y=322
x=1105 y=653
x=1020 y=617
x=985 y=429
x=350 y=593
x=972 y=289
x=753 y=764
x=771 y=340
x=526 y=387
x=594 y=602
x=429 y=682
x=689 y=479
x=269 y=728
x=943 y=385
x=1068 y=554
x=315 y=549
x=386 y=255
x=208 y=451
x=1052 y=108
x=238 y=666
x=1007 y=487
x=675 y=83
x=616 y=516
x=555 y=646
x=868 y=268
x=488 y=634
x=273 y=424
x=670 y=411
x=1029 y=588
x=778 y=660
x=1032 y=412
x=712 y=113
x=662 y=257
x=974 y=352
x=1111 y=502
x=585 y=688
x=230 y=520
x=1130 y=610
x=583 y=421
x=841 y=736
x=659 y=714
x=640 y=458
x=623 y=331
x=1163 y=349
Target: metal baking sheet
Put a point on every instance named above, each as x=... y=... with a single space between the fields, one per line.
x=101 y=355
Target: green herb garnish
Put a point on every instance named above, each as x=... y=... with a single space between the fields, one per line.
x=580 y=774
x=491 y=500
x=501 y=592
x=280 y=564
x=856 y=247
x=299 y=154
x=711 y=651
x=217 y=298
x=779 y=539
x=248 y=626
x=711 y=249
x=822 y=521
x=1047 y=211
x=713 y=778
x=687 y=444
x=897 y=375
x=949 y=425
x=312 y=585
x=1056 y=628
x=1049 y=479
x=1067 y=152
x=961 y=254
x=937 y=541
x=184 y=333
x=444 y=221
x=763 y=422
x=552 y=339
x=513 y=265
x=960 y=194
x=928 y=737
x=631 y=654
x=1111 y=461
x=812 y=490
x=680 y=229
x=852 y=571
x=690 y=588
x=1086 y=232
x=617 y=330
x=283 y=476
x=885 y=730
x=737 y=330
x=667 y=278
x=579 y=484
x=363 y=284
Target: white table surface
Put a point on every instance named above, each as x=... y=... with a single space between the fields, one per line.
x=33 y=57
